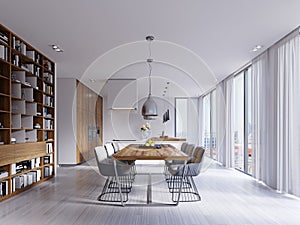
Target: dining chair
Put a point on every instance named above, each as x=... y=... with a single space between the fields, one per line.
x=111 y=191
x=187 y=149
x=186 y=172
x=183 y=146
x=116 y=146
x=109 y=148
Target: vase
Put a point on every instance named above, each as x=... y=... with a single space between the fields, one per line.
x=146 y=134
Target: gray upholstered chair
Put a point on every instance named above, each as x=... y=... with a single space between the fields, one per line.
x=183 y=146
x=116 y=146
x=109 y=149
x=187 y=149
x=190 y=170
x=112 y=192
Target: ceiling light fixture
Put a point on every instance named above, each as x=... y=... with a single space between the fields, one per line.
x=256 y=48
x=149 y=109
x=56 y=48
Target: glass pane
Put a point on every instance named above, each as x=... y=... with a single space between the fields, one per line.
x=213 y=129
x=206 y=124
x=239 y=121
x=249 y=127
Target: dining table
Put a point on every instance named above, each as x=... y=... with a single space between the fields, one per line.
x=133 y=152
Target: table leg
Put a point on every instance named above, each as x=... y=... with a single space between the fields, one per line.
x=149 y=190
x=118 y=181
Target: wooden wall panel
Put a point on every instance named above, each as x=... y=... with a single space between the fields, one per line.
x=88 y=109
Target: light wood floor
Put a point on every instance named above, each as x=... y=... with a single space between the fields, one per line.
x=228 y=197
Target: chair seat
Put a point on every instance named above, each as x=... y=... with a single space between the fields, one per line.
x=191 y=169
x=107 y=168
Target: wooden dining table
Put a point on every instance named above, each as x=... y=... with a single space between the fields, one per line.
x=157 y=152
x=134 y=152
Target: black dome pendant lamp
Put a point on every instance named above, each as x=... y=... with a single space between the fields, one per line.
x=149 y=109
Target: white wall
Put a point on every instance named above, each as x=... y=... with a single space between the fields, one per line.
x=66 y=112
x=126 y=124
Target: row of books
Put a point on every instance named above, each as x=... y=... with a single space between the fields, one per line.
x=25 y=179
x=48 y=77
x=49 y=101
x=24 y=165
x=4 y=37
x=48 y=170
x=33 y=55
x=48 y=159
x=48 y=89
x=4 y=52
x=3 y=188
x=47 y=113
x=48 y=124
x=49 y=148
x=19 y=45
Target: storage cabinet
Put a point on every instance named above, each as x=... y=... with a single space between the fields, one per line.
x=27 y=92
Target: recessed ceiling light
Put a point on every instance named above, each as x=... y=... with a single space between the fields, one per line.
x=56 y=48
x=256 y=48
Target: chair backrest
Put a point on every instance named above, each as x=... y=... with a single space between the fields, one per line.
x=198 y=155
x=193 y=168
x=183 y=146
x=101 y=156
x=189 y=150
x=106 y=166
x=109 y=149
x=116 y=146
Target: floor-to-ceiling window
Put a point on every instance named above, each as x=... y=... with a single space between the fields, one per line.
x=248 y=119
x=213 y=125
x=209 y=124
x=242 y=121
x=239 y=121
x=206 y=124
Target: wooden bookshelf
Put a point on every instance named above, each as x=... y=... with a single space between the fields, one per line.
x=27 y=115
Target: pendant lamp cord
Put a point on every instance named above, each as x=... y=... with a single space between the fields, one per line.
x=150 y=71
x=150 y=68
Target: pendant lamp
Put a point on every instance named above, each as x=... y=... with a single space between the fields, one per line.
x=149 y=109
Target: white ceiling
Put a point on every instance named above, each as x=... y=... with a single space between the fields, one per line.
x=220 y=32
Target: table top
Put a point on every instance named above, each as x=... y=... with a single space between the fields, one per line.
x=136 y=152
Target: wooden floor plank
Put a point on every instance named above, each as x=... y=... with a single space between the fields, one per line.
x=228 y=198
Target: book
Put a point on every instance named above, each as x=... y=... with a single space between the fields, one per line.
x=13 y=168
x=3 y=188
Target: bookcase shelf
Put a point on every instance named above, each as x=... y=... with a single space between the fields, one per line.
x=27 y=115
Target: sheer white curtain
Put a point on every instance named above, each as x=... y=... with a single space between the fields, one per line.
x=220 y=121
x=200 y=121
x=276 y=115
x=229 y=118
x=288 y=117
x=264 y=114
